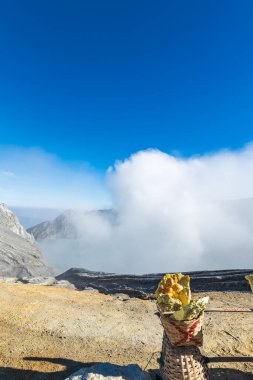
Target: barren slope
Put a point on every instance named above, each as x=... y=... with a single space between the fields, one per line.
x=47 y=332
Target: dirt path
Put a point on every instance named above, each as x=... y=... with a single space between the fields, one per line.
x=48 y=332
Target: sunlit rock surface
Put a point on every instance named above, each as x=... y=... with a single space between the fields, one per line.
x=110 y=372
x=70 y=224
x=19 y=254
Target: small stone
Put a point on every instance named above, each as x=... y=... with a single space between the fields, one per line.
x=64 y=284
x=11 y=280
x=121 y=296
x=90 y=289
x=46 y=281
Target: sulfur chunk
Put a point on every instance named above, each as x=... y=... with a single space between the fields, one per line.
x=168 y=304
x=185 y=296
x=174 y=296
x=174 y=285
x=249 y=278
x=192 y=310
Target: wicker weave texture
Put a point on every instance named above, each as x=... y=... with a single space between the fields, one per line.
x=184 y=333
x=182 y=363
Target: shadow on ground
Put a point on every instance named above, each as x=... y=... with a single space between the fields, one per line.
x=229 y=374
x=22 y=374
x=71 y=366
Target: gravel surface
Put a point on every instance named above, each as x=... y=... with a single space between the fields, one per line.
x=49 y=333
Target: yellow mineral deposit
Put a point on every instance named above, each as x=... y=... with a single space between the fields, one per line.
x=174 y=297
x=176 y=286
x=249 y=278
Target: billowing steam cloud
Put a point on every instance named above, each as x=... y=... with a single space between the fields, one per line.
x=174 y=214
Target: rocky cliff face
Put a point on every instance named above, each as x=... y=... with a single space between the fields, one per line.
x=10 y=221
x=19 y=254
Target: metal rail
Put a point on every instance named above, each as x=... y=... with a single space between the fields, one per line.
x=229 y=309
x=228 y=359
x=219 y=310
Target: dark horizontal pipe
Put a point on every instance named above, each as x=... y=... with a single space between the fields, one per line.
x=230 y=309
x=228 y=359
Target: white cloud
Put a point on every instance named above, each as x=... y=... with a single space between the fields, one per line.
x=174 y=215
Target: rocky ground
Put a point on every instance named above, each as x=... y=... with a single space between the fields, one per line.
x=19 y=254
x=141 y=285
x=50 y=332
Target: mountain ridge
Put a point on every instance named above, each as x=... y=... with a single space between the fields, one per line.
x=141 y=286
x=19 y=254
x=65 y=225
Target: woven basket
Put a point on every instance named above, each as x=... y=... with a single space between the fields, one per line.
x=182 y=363
x=183 y=333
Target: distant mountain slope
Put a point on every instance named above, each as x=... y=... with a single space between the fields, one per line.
x=19 y=254
x=68 y=225
x=31 y=216
x=140 y=285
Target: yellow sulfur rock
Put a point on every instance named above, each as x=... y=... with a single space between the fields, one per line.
x=175 y=287
x=249 y=278
x=185 y=296
x=168 y=304
x=174 y=296
x=192 y=310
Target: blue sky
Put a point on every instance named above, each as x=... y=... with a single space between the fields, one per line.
x=95 y=81
x=86 y=83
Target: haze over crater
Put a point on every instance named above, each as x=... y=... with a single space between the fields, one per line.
x=171 y=214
